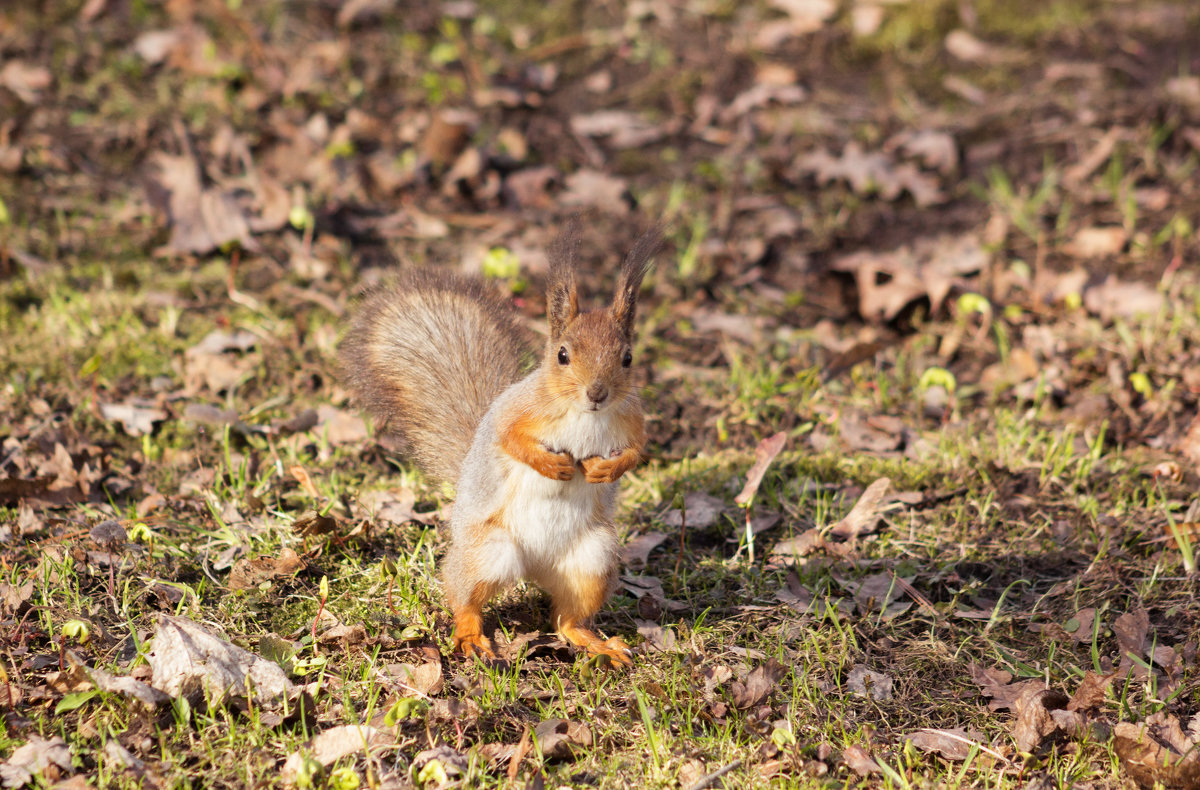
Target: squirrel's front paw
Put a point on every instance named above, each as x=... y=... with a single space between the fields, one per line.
x=604 y=470
x=556 y=466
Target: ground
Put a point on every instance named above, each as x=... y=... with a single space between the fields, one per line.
x=949 y=246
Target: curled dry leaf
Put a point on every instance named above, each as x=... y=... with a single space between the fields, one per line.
x=639 y=586
x=1115 y=298
x=396 y=506
x=660 y=639
x=859 y=761
x=807 y=542
x=1080 y=626
x=863 y=517
x=764 y=454
x=313 y=523
x=201 y=220
x=559 y=739
x=758 y=685
x=623 y=129
x=340 y=427
x=1131 y=630
x=47 y=758
x=1151 y=764
x=413 y=680
x=1035 y=720
x=190 y=661
x=997 y=684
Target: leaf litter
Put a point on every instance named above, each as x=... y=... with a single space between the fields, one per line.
x=322 y=128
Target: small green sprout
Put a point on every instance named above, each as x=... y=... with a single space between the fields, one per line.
x=1141 y=384
x=970 y=303
x=77 y=630
x=344 y=778
x=938 y=377
x=500 y=263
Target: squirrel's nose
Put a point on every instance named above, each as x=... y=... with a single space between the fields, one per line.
x=597 y=393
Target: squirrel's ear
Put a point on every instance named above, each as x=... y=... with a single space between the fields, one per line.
x=637 y=263
x=562 y=299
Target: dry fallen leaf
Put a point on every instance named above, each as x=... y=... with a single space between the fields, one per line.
x=202 y=220
x=416 y=680
x=48 y=759
x=1131 y=630
x=931 y=267
x=639 y=586
x=396 y=506
x=136 y=417
x=867 y=683
x=340 y=427
x=1113 y=298
x=764 y=454
x=637 y=551
x=128 y=687
x=1034 y=720
x=864 y=516
x=25 y=80
x=334 y=744
x=872 y=173
x=1150 y=764
x=593 y=188
x=247 y=574
x=1096 y=242
x=190 y=661
x=622 y=128
x=700 y=509
x=758 y=685
x=557 y=738
x=859 y=761
x=1189 y=445
x=952 y=744
x=970 y=49
x=997 y=684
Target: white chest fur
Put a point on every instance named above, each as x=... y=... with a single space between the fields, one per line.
x=547 y=517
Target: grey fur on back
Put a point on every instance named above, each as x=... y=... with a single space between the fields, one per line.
x=426 y=355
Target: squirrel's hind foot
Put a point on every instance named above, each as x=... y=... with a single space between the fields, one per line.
x=615 y=648
x=474 y=645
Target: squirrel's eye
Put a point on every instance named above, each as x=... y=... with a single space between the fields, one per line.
x=627 y=360
x=563 y=359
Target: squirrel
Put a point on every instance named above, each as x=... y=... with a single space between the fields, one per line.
x=438 y=358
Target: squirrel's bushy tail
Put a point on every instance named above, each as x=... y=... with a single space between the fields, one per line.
x=426 y=355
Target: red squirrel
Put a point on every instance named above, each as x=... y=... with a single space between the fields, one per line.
x=437 y=358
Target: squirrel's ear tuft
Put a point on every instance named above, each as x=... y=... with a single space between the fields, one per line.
x=637 y=263
x=562 y=298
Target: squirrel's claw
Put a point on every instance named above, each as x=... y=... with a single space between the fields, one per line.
x=616 y=649
x=474 y=644
x=619 y=653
